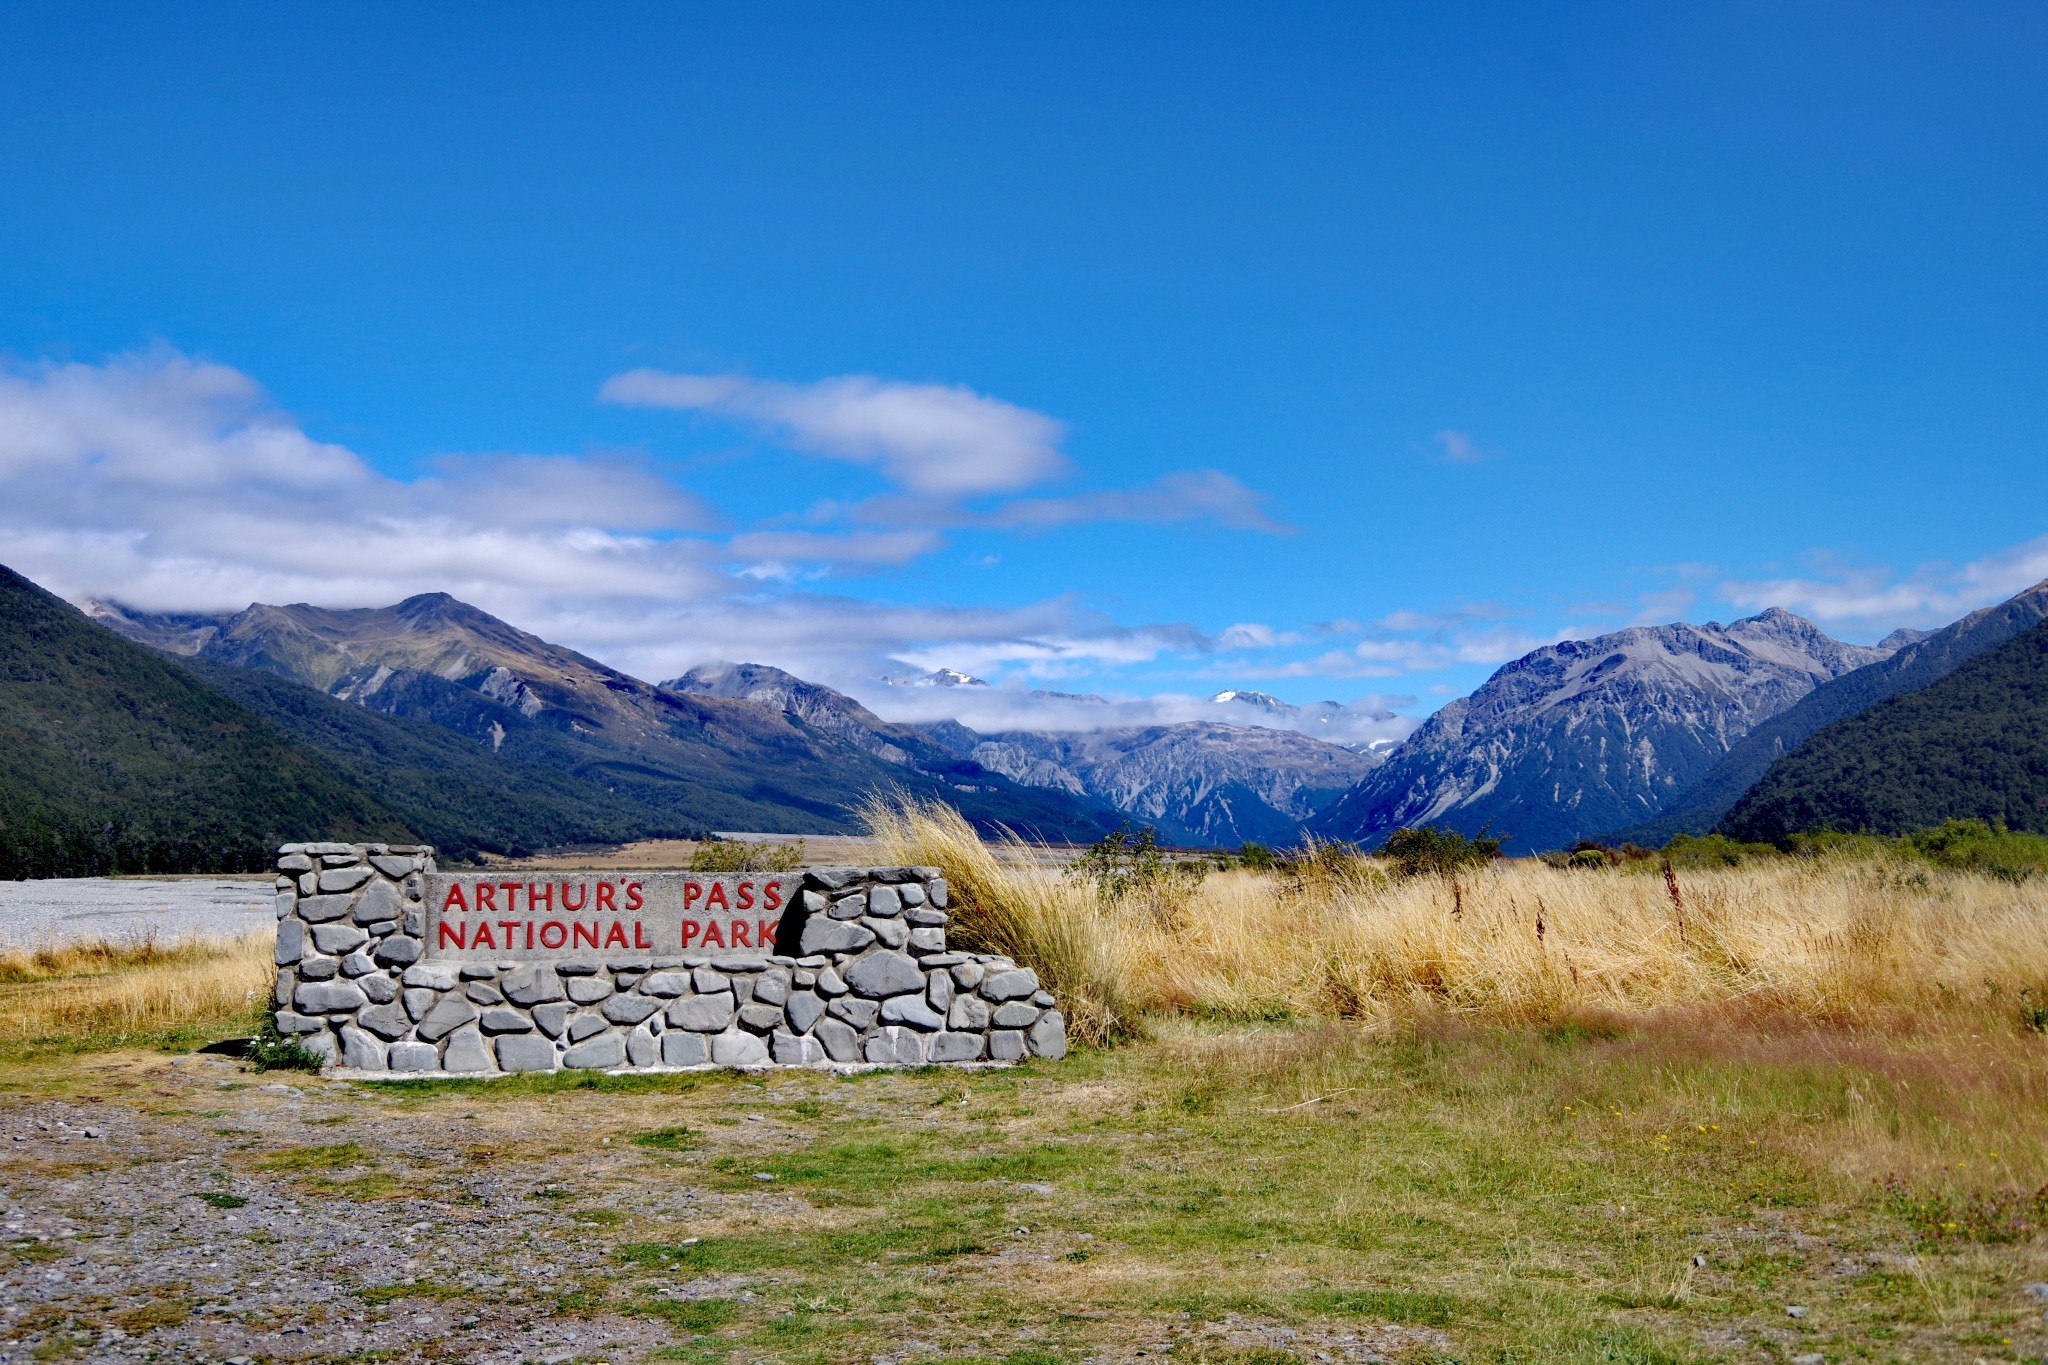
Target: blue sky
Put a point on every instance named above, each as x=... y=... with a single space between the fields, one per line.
x=1132 y=349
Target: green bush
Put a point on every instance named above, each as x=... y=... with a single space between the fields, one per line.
x=1714 y=850
x=1123 y=864
x=273 y=1051
x=1981 y=846
x=1440 y=852
x=742 y=855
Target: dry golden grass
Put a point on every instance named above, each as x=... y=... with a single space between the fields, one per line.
x=1008 y=898
x=1827 y=941
x=108 y=988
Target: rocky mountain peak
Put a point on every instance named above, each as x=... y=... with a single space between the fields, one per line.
x=1589 y=735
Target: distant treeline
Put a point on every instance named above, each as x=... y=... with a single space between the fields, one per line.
x=105 y=849
x=1985 y=846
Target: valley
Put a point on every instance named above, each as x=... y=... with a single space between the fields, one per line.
x=435 y=720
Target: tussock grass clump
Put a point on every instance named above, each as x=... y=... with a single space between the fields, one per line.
x=123 y=988
x=1833 y=940
x=1007 y=898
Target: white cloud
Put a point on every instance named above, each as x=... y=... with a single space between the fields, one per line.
x=624 y=493
x=1014 y=707
x=852 y=547
x=940 y=440
x=1661 y=608
x=1188 y=495
x=941 y=446
x=1459 y=448
x=1443 y=620
x=1933 y=594
x=171 y=484
x=1248 y=635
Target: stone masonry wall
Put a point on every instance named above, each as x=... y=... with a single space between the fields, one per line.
x=874 y=984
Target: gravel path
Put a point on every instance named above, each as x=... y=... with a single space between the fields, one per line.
x=80 y=909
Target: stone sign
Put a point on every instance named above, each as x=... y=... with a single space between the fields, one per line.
x=385 y=965
x=488 y=917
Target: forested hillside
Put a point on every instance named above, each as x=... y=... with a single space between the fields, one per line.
x=1972 y=746
x=1920 y=662
x=115 y=760
x=449 y=790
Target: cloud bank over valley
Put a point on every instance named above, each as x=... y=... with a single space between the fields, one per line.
x=171 y=483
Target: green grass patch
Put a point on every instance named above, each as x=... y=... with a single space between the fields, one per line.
x=332 y=1156
x=674 y=1139
x=2006 y=1214
x=522 y=1084
x=415 y=1289
x=688 y=1315
x=220 y=1200
x=152 y=1316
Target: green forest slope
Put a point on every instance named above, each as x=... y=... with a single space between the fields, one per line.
x=115 y=760
x=1973 y=745
x=1916 y=665
x=450 y=790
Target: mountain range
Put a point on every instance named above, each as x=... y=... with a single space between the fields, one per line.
x=1921 y=660
x=702 y=761
x=1197 y=782
x=1586 y=736
x=431 y=719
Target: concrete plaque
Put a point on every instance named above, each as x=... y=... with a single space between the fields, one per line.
x=544 y=917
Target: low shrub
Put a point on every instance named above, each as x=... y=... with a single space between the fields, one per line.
x=746 y=855
x=1432 y=850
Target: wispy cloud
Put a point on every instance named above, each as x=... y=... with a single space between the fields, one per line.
x=1458 y=447
x=852 y=547
x=173 y=484
x=933 y=439
x=1017 y=707
x=1189 y=495
x=955 y=459
x=1931 y=594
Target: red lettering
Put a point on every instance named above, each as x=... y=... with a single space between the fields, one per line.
x=746 y=901
x=712 y=938
x=481 y=937
x=690 y=930
x=511 y=890
x=582 y=898
x=539 y=898
x=486 y=898
x=639 y=936
x=764 y=933
x=633 y=901
x=691 y=890
x=452 y=931
x=717 y=897
x=616 y=938
x=585 y=934
x=605 y=894
x=561 y=934
x=739 y=934
x=511 y=928
x=455 y=900
x=529 y=933
x=774 y=897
